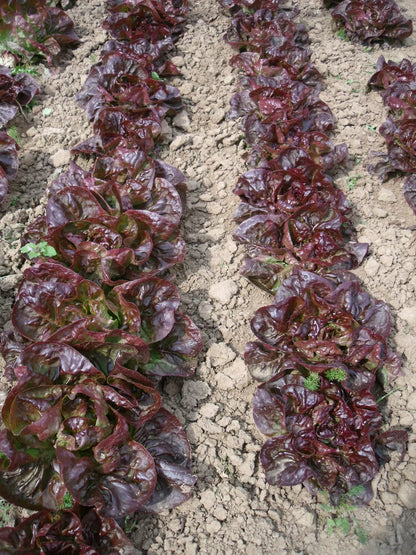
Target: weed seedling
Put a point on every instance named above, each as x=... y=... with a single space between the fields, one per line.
x=247 y=11
x=25 y=69
x=38 y=250
x=352 y=181
x=342 y=35
x=130 y=523
x=67 y=502
x=336 y=374
x=227 y=467
x=29 y=107
x=14 y=134
x=343 y=518
x=389 y=393
x=155 y=75
x=372 y=128
x=313 y=381
x=16 y=199
x=8 y=236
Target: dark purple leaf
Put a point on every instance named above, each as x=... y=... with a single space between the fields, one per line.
x=166 y=441
x=369 y=20
x=8 y=155
x=120 y=479
x=175 y=355
x=409 y=191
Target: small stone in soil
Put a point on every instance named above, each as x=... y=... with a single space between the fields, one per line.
x=219 y=354
x=181 y=120
x=407 y=494
x=385 y=195
x=178 y=141
x=60 y=158
x=223 y=291
x=408 y=314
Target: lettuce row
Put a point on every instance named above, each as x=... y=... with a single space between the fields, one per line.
x=396 y=83
x=30 y=31
x=96 y=328
x=16 y=91
x=321 y=345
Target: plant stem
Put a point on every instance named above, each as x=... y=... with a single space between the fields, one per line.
x=389 y=393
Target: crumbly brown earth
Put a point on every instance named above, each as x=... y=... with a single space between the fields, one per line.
x=233 y=510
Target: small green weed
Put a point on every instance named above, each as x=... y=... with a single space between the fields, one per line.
x=155 y=75
x=16 y=199
x=313 y=381
x=8 y=236
x=342 y=517
x=352 y=181
x=93 y=58
x=38 y=250
x=357 y=159
x=247 y=11
x=67 y=502
x=14 y=134
x=342 y=35
x=47 y=111
x=30 y=70
x=389 y=393
x=29 y=107
x=372 y=128
x=336 y=374
x=227 y=467
x=130 y=523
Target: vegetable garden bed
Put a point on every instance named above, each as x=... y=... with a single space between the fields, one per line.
x=232 y=509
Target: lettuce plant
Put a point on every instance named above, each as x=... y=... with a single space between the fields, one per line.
x=311 y=237
x=31 y=30
x=396 y=85
x=371 y=20
x=286 y=188
x=299 y=68
x=15 y=91
x=139 y=317
x=72 y=429
x=105 y=245
x=320 y=323
x=70 y=531
x=129 y=20
x=319 y=438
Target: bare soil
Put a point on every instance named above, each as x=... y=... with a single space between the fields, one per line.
x=233 y=511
